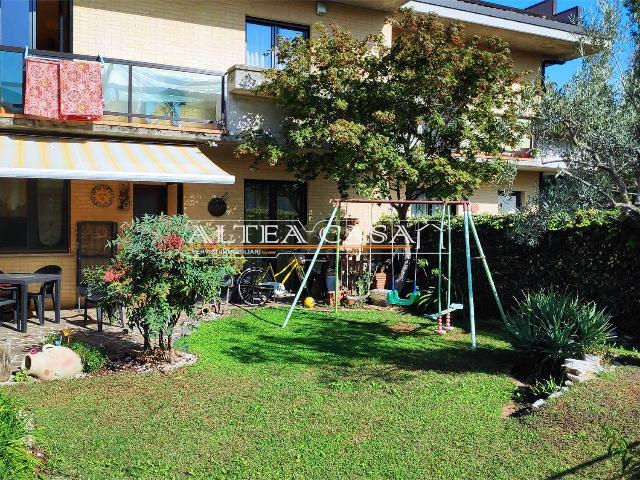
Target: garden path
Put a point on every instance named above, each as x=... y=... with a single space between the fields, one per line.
x=116 y=341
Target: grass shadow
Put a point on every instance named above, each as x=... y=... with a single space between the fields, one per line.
x=578 y=468
x=343 y=344
x=252 y=312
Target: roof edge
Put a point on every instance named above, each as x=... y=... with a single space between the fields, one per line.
x=507 y=13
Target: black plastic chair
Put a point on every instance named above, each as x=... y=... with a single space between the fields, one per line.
x=46 y=289
x=6 y=288
x=93 y=300
x=8 y=296
x=9 y=300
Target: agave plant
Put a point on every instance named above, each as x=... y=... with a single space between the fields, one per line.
x=553 y=326
x=594 y=327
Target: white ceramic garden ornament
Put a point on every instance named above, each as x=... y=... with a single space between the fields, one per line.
x=52 y=363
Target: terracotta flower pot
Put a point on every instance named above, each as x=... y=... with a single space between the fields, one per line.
x=52 y=363
x=380 y=280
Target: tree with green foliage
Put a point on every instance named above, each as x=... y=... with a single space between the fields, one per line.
x=164 y=267
x=592 y=123
x=402 y=122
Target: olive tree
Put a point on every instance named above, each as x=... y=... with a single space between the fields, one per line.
x=593 y=121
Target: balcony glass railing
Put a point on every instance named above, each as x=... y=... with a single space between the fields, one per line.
x=139 y=92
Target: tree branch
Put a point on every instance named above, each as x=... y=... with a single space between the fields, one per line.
x=605 y=193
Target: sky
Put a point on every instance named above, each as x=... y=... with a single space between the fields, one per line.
x=559 y=74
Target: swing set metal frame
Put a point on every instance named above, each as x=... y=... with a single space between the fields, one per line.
x=469 y=230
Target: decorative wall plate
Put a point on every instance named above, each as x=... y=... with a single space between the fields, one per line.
x=217 y=206
x=102 y=195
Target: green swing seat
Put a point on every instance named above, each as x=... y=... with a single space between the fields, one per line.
x=393 y=298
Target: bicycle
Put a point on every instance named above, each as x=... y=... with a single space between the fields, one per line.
x=256 y=285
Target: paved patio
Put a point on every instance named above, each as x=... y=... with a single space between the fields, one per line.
x=114 y=339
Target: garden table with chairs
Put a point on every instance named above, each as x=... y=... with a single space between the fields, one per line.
x=19 y=283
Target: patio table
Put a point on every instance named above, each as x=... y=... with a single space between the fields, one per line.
x=23 y=280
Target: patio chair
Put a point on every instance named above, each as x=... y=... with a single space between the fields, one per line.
x=91 y=299
x=46 y=289
x=6 y=289
x=11 y=300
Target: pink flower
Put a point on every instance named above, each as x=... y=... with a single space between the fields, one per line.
x=112 y=275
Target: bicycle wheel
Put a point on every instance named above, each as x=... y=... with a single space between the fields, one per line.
x=250 y=290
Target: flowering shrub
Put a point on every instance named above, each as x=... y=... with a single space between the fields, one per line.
x=159 y=273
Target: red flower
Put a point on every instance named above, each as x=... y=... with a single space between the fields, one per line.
x=172 y=241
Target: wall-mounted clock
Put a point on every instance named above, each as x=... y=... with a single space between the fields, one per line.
x=102 y=195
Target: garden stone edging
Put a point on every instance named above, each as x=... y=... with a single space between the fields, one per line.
x=577 y=371
x=582 y=370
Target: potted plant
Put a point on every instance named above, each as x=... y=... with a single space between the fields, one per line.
x=362 y=285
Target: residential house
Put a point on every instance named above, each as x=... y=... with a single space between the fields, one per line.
x=176 y=84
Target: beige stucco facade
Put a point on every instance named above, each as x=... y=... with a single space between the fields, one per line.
x=210 y=34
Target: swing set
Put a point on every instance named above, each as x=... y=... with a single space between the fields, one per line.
x=445 y=307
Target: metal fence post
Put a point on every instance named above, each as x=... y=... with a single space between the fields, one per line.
x=467 y=245
x=323 y=238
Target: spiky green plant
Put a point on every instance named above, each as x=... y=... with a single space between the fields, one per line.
x=552 y=326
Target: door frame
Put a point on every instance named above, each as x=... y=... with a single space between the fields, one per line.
x=143 y=186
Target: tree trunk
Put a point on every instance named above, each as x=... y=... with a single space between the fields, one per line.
x=406 y=261
x=145 y=335
x=5 y=360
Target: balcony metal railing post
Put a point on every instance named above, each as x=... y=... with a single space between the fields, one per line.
x=130 y=95
x=223 y=102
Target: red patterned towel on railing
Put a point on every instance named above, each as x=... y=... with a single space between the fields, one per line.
x=41 y=88
x=80 y=90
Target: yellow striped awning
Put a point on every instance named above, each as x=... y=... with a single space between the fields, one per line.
x=43 y=157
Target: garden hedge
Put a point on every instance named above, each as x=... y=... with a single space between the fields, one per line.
x=598 y=258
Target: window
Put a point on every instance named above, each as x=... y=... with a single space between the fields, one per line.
x=509 y=202
x=34 y=215
x=41 y=24
x=261 y=38
x=275 y=200
x=430 y=210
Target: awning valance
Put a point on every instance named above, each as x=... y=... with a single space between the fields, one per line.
x=43 y=157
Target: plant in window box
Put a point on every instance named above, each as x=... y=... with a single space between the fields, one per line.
x=161 y=271
x=173 y=110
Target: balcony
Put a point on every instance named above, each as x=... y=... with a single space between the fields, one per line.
x=140 y=99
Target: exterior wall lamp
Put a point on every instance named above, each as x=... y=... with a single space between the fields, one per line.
x=321 y=8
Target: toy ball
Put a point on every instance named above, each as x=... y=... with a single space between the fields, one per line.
x=309 y=302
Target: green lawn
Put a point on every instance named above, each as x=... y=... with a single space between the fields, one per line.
x=358 y=396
